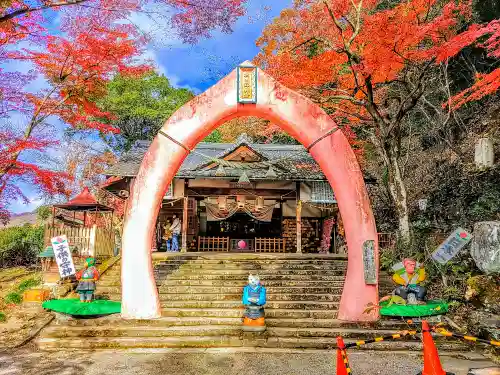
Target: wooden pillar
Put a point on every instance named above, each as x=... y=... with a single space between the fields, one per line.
x=184 y=224
x=299 y=219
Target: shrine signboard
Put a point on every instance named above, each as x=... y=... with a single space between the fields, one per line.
x=451 y=246
x=247 y=84
x=370 y=267
x=63 y=256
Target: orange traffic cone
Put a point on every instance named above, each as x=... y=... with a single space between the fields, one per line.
x=432 y=363
x=342 y=364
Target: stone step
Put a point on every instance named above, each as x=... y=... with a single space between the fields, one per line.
x=239 y=271
x=228 y=321
x=235 y=272
x=229 y=290
x=248 y=258
x=307 y=305
x=89 y=343
x=231 y=283
x=253 y=265
x=238 y=313
x=234 y=257
x=165 y=297
x=263 y=278
x=207 y=330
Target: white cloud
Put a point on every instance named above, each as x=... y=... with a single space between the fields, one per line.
x=151 y=55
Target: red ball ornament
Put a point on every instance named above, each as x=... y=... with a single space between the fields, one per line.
x=242 y=244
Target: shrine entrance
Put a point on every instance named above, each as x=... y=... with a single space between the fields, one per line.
x=249 y=91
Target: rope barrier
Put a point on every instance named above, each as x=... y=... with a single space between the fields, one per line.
x=346 y=361
x=380 y=339
x=445 y=332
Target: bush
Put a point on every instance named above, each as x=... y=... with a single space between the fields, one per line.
x=19 y=246
x=14 y=298
x=28 y=284
x=3 y=317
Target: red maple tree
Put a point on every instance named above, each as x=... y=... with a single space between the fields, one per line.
x=77 y=67
x=368 y=63
x=95 y=41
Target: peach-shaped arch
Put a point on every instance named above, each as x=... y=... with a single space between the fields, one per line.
x=296 y=115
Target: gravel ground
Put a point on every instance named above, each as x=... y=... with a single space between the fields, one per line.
x=27 y=362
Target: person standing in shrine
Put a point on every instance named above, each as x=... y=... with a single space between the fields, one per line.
x=168 y=235
x=176 y=231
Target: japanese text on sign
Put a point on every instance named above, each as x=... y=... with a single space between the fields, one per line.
x=451 y=246
x=247 y=83
x=370 y=267
x=63 y=256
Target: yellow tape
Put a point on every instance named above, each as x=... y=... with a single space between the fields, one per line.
x=444 y=332
x=378 y=339
x=396 y=336
x=362 y=342
x=496 y=343
x=470 y=338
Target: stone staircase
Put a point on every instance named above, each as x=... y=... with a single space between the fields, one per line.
x=200 y=296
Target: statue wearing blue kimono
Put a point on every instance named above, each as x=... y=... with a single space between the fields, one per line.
x=254 y=299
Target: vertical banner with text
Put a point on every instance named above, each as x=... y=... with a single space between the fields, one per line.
x=63 y=256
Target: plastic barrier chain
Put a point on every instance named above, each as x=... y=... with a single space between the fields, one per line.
x=444 y=332
x=379 y=339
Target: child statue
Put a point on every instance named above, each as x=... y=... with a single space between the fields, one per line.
x=254 y=299
x=408 y=275
x=87 y=278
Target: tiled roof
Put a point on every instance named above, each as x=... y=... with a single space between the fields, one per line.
x=290 y=162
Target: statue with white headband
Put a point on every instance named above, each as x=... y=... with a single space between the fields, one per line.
x=254 y=299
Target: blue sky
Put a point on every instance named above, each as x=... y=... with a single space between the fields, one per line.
x=199 y=66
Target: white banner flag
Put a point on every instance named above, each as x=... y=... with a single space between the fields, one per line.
x=63 y=256
x=451 y=246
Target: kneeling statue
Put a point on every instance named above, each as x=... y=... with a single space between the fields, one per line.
x=408 y=275
x=254 y=299
x=87 y=278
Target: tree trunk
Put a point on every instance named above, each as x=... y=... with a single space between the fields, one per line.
x=397 y=189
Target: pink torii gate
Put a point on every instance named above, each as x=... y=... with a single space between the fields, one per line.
x=300 y=118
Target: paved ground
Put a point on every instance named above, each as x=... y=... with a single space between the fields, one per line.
x=27 y=362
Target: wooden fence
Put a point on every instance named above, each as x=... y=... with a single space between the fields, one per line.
x=90 y=241
x=270 y=245
x=213 y=243
x=386 y=241
x=260 y=245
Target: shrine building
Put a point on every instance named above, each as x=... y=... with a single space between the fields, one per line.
x=243 y=197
